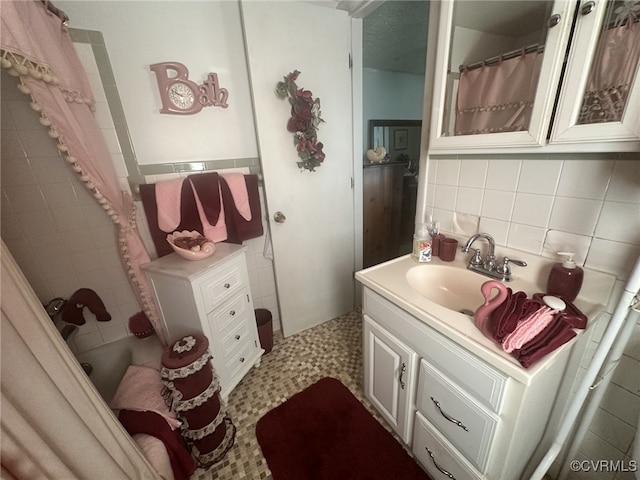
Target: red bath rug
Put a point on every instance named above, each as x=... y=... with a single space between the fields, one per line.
x=325 y=433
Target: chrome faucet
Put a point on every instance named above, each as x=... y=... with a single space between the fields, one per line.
x=489 y=266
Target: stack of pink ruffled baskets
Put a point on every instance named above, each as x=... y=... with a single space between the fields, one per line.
x=195 y=396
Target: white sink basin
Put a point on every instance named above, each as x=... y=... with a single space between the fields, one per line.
x=451 y=287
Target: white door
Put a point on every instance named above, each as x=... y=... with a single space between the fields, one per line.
x=389 y=372
x=313 y=247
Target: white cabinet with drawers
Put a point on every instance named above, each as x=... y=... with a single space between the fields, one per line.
x=211 y=296
x=463 y=417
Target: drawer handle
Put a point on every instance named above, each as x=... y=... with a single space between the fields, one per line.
x=442 y=470
x=452 y=420
x=402 y=370
x=237 y=337
x=227 y=285
x=232 y=313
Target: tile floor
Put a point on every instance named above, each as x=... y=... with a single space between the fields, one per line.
x=332 y=349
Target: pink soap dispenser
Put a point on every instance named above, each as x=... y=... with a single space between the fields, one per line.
x=565 y=279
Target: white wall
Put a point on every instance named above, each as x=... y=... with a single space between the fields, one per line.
x=587 y=203
x=390 y=96
x=204 y=36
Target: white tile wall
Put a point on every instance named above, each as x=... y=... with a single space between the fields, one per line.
x=546 y=205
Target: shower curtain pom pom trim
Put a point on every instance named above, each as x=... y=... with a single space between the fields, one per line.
x=35 y=106
x=46 y=78
x=77 y=168
x=5 y=63
x=63 y=148
x=21 y=69
x=45 y=121
x=24 y=89
x=35 y=73
x=84 y=178
x=53 y=133
x=71 y=159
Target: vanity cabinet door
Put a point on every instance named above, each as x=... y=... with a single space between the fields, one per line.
x=600 y=96
x=389 y=376
x=498 y=65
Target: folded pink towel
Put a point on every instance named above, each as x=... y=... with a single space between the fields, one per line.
x=238 y=187
x=168 y=201
x=528 y=328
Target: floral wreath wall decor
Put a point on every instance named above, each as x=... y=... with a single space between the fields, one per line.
x=304 y=122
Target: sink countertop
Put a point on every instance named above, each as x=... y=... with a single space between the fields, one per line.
x=389 y=279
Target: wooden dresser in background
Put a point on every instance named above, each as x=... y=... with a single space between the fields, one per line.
x=388 y=212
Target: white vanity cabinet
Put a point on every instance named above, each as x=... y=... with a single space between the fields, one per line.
x=211 y=296
x=556 y=123
x=463 y=416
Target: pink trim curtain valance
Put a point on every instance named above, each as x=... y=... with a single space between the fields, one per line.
x=37 y=50
x=498 y=98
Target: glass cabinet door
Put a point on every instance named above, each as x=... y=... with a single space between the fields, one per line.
x=600 y=98
x=497 y=70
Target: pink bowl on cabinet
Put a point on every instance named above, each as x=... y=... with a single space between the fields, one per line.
x=196 y=253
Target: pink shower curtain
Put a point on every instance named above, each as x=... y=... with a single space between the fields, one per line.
x=38 y=51
x=611 y=74
x=498 y=98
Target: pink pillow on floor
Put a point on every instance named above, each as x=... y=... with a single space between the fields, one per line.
x=141 y=390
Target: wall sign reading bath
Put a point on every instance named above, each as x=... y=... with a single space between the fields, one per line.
x=182 y=96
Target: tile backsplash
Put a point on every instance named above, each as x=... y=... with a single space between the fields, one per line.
x=542 y=206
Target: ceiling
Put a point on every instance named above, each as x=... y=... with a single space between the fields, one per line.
x=395 y=31
x=395 y=36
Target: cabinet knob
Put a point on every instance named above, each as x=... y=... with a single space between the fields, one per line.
x=232 y=313
x=241 y=359
x=237 y=337
x=554 y=20
x=442 y=470
x=227 y=285
x=587 y=8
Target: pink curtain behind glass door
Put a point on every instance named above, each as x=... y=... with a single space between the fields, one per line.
x=498 y=98
x=615 y=62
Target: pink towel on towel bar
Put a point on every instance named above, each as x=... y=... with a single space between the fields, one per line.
x=168 y=201
x=238 y=187
x=216 y=232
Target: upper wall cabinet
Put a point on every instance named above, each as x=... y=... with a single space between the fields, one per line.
x=537 y=76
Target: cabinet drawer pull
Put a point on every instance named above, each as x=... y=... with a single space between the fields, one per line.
x=442 y=470
x=227 y=285
x=402 y=370
x=232 y=313
x=237 y=337
x=241 y=359
x=452 y=420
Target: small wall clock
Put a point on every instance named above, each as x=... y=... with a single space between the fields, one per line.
x=181 y=96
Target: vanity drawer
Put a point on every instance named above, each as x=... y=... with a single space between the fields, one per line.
x=473 y=375
x=468 y=426
x=225 y=283
x=240 y=359
x=227 y=315
x=236 y=337
x=440 y=460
